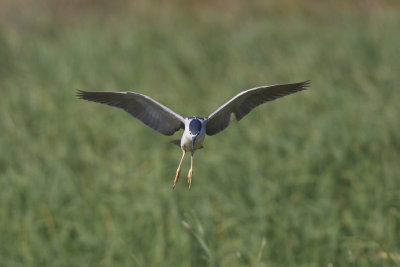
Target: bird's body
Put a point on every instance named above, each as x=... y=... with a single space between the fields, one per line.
x=167 y=122
x=194 y=127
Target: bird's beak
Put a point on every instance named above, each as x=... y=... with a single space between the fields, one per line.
x=193 y=141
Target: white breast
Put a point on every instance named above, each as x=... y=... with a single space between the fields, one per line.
x=186 y=140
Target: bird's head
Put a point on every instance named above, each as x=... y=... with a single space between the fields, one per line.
x=194 y=129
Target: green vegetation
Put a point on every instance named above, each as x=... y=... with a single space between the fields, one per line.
x=312 y=179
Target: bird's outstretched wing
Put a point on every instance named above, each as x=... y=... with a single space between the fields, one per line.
x=142 y=107
x=244 y=102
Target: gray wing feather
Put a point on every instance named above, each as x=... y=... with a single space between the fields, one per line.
x=142 y=107
x=244 y=102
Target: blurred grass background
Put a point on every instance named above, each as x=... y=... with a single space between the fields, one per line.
x=309 y=180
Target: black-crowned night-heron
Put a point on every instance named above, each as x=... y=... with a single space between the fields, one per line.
x=167 y=122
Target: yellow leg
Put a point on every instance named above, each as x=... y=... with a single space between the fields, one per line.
x=191 y=170
x=178 y=171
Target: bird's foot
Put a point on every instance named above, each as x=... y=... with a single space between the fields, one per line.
x=178 y=172
x=190 y=178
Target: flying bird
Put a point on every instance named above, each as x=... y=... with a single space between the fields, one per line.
x=167 y=122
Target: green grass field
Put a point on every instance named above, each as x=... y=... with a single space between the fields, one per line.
x=312 y=179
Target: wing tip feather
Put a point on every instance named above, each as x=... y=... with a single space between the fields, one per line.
x=81 y=94
x=304 y=85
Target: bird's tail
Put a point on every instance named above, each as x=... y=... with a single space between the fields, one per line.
x=176 y=142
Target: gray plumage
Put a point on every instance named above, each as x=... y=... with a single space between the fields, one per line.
x=244 y=102
x=142 y=107
x=166 y=121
